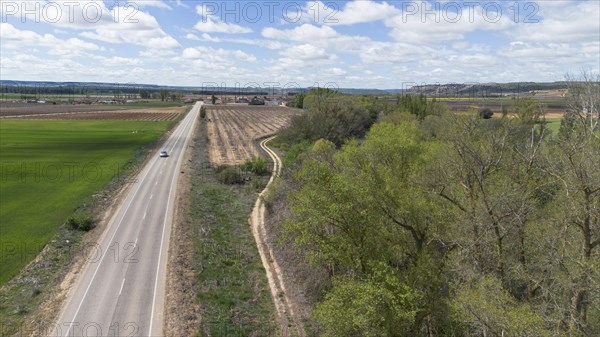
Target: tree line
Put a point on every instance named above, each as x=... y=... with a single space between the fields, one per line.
x=429 y=223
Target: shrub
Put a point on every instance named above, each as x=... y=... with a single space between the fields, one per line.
x=229 y=175
x=202 y=112
x=82 y=222
x=486 y=113
x=257 y=166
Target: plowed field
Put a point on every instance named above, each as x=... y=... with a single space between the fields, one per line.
x=233 y=129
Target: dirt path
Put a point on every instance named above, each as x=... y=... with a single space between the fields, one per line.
x=290 y=322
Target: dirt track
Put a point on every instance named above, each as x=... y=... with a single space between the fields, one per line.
x=289 y=319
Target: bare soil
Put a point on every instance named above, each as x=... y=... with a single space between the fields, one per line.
x=232 y=130
x=83 y=111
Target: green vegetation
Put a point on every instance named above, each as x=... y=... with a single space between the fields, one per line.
x=51 y=168
x=330 y=116
x=233 y=292
x=448 y=224
x=229 y=175
x=82 y=222
x=256 y=166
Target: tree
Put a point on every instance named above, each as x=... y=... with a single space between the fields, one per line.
x=573 y=162
x=164 y=94
x=380 y=305
x=489 y=310
x=297 y=101
x=527 y=109
x=335 y=118
x=144 y=94
x=584 y=99
x=366 y=205
x=213 y=99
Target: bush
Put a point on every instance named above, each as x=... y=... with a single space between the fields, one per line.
x=202 y=112
x=486 y=113
x=82 y=222
x=229 y=175
x=257 y=166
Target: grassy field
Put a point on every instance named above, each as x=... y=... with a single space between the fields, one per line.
x=233 y=291
x=50 y=168
x=553 y=124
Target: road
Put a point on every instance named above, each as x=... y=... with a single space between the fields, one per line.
x=121 y=289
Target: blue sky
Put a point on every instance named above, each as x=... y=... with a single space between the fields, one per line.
x=361 y=44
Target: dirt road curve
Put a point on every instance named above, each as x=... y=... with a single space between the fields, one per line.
x=289 y=320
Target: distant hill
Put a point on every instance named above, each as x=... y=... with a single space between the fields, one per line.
x=466 y=89
x=484 y=89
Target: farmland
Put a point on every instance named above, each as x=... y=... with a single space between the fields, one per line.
x=50 y=168
x=90 y=112
x=232 y=130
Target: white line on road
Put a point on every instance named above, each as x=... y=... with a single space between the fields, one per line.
x=104 y=254
x=151 y=196
x=122 y=284
x=144 y=217
x=163 y=236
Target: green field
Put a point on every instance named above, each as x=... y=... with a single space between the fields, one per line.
x=553 y=124
x=50 y=168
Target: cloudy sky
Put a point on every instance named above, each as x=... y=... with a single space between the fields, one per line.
x=361 y=44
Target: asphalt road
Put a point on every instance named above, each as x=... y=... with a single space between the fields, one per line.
x=122 y=287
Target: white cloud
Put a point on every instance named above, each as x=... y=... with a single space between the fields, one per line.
x=13 y=38
x=424 y=23
x=209 y=24
x=324 y=37
x=562 y=22
x=151 y=3
x=392 y=52
x=353 y=12
x=116 y=60
x=218 y=56
x=307 y=52
x=121 y=23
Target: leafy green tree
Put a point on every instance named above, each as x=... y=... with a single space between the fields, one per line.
x=487 y=309
x=380 y=305
x=527 y=109
x=336 y=118
x=297 y=101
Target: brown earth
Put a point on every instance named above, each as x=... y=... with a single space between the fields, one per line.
x=114 y=115
x=232 y=130
x=79 y=111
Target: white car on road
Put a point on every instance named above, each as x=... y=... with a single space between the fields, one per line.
x=164 y=154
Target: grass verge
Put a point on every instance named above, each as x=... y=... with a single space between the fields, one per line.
x=233 y=292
